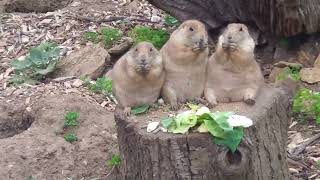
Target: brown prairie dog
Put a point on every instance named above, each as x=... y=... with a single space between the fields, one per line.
x=138 y=76
x=232 y=72
x=185 y=58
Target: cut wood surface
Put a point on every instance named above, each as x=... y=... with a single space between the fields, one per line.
x=261 y=154
x=279 y=17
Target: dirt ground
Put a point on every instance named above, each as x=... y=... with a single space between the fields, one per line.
x=32 y=145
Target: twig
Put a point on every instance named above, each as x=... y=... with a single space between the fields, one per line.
x=299 y=149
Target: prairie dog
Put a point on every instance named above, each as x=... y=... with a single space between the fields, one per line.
x=138 y=76
x=185 y=57
x=232 y=72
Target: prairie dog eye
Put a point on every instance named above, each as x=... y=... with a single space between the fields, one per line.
x=190 y=28
x=151 y=50
x=241 y=29
x=136 y=50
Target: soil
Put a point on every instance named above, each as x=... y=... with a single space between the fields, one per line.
x=31 y=117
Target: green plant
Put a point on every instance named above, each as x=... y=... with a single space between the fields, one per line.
x=91 y=36
x=318 y=164
x=293 y=72
x=71 y=119
x=103 y=85
x=114 y=161
x=307 y=103
x=39 y=62
x=108 y=36
x=225 y=127
x=170 y=21
x=70 y=137
x=140 y=109
x=30 y=178
x=157 y=37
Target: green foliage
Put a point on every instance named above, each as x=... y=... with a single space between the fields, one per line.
x=108 y=36
x=114 y=161
x=30 y=178
x=318 y=164
x=170 y=21
x=307 y=103
x=39 y=62
x=91 y=36
x=71 y=119
x=205 y=121
x=157 y=37
x=140 y=109
x=70 y=137
x=103 y=85
x=293 y=72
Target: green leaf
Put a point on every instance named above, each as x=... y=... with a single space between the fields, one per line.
x=214 y=128
x=167 y=122
x=231 y=139
x=171 y=21
x=193 y=107
x=114 y=161
x=184 y=121
x=221 y=119
x=50 y=68
x=202 y=128
x=71 y=119
x=70 y=137
x=140 y=109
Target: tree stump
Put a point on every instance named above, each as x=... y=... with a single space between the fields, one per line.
x=280 y=17
x=165 y=156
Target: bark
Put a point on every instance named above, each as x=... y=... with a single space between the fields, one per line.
x=277 y=17
x=163 y=156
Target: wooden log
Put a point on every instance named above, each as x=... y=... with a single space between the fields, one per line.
x=277 y=17
x=165 y=156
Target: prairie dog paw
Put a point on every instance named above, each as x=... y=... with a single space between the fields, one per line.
x=127 y=111
x=249 y=97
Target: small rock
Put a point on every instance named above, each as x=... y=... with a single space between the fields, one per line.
x=293 y=171
x=283 y=64
x=25 y=39
x=152 y=126
x=317 y=62
x=310 y=75
x=121 y=48
x=46 y=21
x=160 y=101
x=90 y=61
x=77 y=83
x=75 y=4
x=155 y=19
x=67 y=84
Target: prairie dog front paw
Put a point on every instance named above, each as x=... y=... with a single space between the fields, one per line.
x=249 y=96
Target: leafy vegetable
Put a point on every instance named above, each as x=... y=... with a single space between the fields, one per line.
x=91 y=36
x=140 y=109
x=157 y=37
x=216 y=123
x=39 y=62
x=170 y=21
x=71 y=119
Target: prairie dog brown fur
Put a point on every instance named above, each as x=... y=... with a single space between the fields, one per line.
x=138 y=76
x=232 y=72
x=185 y=58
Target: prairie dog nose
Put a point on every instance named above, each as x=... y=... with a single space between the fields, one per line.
x=229 y=37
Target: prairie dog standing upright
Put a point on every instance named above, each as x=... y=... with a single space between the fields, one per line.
x=232 y=72
x=185 y=57
x=138 y=76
